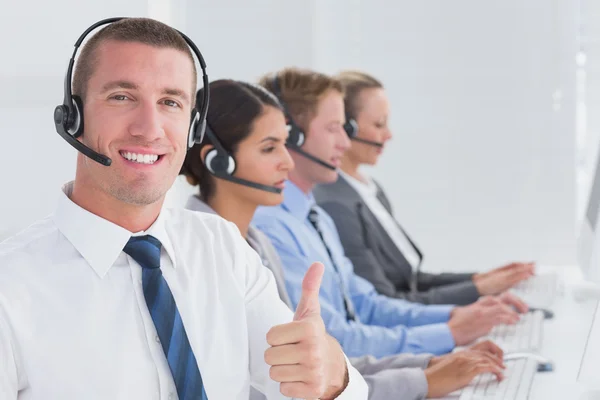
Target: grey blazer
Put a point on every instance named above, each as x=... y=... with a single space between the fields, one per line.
x=394 y=377
x=375 y=256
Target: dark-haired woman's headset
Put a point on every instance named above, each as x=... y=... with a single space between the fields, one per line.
x=68 y=117
x=221 y=163
x=296 y=136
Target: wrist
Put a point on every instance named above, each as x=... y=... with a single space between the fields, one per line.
x=480 y=286
x=432 y=391
x=433 y=360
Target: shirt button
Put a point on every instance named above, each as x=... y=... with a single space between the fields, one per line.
x=157 y=339
x=265 y=262
x=171 y=396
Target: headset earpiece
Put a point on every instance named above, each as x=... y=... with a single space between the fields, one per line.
x=351 y=127
x=296 y=136
x=76 y=120
x=218 y=163
x=68 y=120
x=196 y=132
x=218 y=160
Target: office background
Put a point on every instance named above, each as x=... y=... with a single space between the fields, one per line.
x=495 y=134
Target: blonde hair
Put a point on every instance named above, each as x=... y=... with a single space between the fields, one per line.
x=354 y=83
x=300 y=90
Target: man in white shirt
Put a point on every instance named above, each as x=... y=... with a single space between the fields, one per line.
x=114 y=297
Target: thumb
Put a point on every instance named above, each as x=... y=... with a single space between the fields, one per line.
x=309 y=301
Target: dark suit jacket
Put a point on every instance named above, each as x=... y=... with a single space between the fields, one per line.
x=375 y=256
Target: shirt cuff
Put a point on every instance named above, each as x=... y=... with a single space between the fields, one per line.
x=439 y=313
x=434 y=339
x=357 y=388
x=423 y=360
x=418 y=383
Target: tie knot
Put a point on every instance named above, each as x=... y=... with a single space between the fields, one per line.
x=313 y=216
x=145 y=250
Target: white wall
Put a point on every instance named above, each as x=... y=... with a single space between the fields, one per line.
x=486 y=163
x=481 y=168
x=36 y=41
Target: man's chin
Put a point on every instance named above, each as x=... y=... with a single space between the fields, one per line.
x=329 y=177
x=139 y=197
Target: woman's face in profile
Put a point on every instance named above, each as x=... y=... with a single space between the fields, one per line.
x=263 y=158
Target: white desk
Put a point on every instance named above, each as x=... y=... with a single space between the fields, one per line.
x=563 y=342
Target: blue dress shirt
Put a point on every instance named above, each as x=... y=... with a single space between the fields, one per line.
x=384 y=325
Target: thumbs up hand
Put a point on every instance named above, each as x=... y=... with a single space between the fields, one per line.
x=307 y=362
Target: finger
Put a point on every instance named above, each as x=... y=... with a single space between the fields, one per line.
x=309 y=300
x=490 y=347
x=301 y=390
x=488 y=301
x=283 y=355
x=507 y=267
x=307 y=330
x=503 y=314
x=517 y=276
x=293 y=373
x=512 y=300
x=487 y=367
x=484 y=356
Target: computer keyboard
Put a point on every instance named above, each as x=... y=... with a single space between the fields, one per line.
x=525 y=335
x=539 y=290
x=518 y=377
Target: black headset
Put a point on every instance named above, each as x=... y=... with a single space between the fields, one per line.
x=68 y=117
x=221 y=163
x=296 y=136
x=351 y=128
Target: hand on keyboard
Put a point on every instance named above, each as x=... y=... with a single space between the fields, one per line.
x=514 y=301
x=501 y=279
x=487 y=346
x=451 y=372
x=476 y=320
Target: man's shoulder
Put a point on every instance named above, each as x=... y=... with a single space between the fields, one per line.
x=197 y=223
x=273 y=216
x=276 y=221
x=37 y=240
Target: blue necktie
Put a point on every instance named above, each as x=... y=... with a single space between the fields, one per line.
x=161 y=304
x=313 y=217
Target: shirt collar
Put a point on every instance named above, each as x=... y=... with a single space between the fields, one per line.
x=296 y=201
x=99 y=241
x=364 y=189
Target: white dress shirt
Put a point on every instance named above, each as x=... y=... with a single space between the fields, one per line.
x=368 y=192
x=74 y=323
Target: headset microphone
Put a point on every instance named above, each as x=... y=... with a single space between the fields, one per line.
x=68 y=117
x=351 y=128
x=310 y=156
x=222 y=165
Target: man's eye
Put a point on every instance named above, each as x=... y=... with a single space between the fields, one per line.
x=171 y=103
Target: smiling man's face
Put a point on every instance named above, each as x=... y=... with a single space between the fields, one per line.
x=137 y=111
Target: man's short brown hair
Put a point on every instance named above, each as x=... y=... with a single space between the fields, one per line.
x=301 y=90
x=140 y=30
